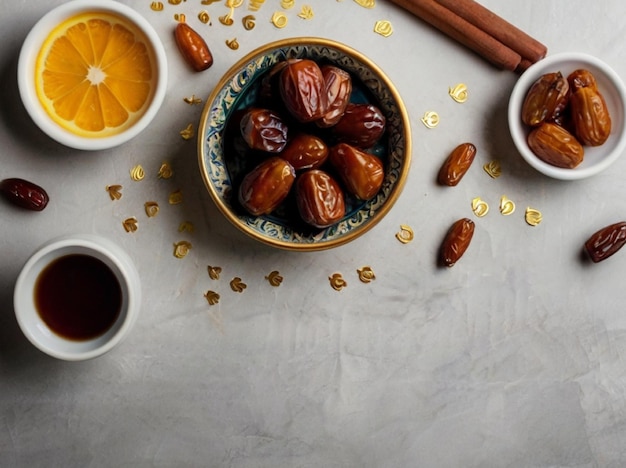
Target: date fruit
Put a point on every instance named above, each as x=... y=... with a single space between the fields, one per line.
x=338 y=88
x=556 y=146
x=305 y=151
x=361 y=125
x=24 y=194
x=606 y=241
x=456 y=164
x=302 y=89
x=457 y=241
x=592 y=121
x=319 y=198
x=546 y=99
x=266 y=186
x=264 y=130
x=361 y=173
x=192 y=47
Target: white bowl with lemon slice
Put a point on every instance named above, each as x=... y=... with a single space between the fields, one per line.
x=92 y=74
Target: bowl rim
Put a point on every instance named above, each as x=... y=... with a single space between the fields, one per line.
x=517 y=131
x=406 y=133
x=26 y=72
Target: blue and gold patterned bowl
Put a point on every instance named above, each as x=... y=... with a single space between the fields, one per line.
x=239 y=88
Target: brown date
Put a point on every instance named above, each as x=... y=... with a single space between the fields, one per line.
x=266 y=186
x=302 y=89
x=338 y=88
x=319 y=198
x=192 y=47
x=592 y=121
x=546 y=99
x=456 y=164
x=264 y=130
x=361 y=125
x=457 y=241
x=605 y=242
x=24 y=194
x=555 y=145
x=305 y=151
x=361 y=173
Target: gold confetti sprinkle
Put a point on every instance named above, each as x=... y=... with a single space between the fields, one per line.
x=458 y=93
x=507 y=206
x=193 y=100
x=227 y=19
x=174 y=2
x=493 y=169
x=237 y=285
x=274 y=278
x=186 y=226
x=234 y=3
x=152 y=209
x=181 y=249
x=204 y=17
x=383 y=27
x=130 y=224
x=366 y=274
x=232 y=43
x=212 y=297
x=533 y=217
x=255 y=5
x=287 y=4
x=115 y=191
x=279 y=20
x=430 y=119
x=188 y=133
x=480 y=207
x=366 y=3
x=214 y=272
x=137 y=173
x=180 y=17
x=165 y=171
x=405 y=235
x=156 y=6
x=208 y=2
x=176 y=198
x=249 y=22
x=306 y=12
x=337 y=282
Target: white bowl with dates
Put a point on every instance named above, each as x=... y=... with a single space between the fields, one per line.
x=612 y=89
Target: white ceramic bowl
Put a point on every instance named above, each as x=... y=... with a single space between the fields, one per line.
x=597 y=158
x=36 y=329
x=27 y=65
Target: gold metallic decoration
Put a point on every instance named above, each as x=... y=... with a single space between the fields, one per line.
x=366 y=274
x=193 y=100
x=181 y=249
x=212 y=297
x=533 y=217
x=306 y=12
x=214 y=272
x=255 y=5
x=232 y=43
x=493 y=169
x=480 y=207
x=152 y=209
x=366 y=3
x=227 y=19
x=405 y=235
x=337 y=282
x=156 y=6
x=204 y=17
x=237 y=285
x=180 y=17
x=430 y=119
x=507 y=206
x=186 y=226
x=249 y=22
x=208 y=2
x=274 y=278
x=188 y=133
x=174 y=2
x=176 y=198
x=234 y=3
x=137 y=173
x=165 y=171
x=459 y=92
x=115 y=191
x=279 y=19
x=383 y=27
x=287 y=4
x=130 y=224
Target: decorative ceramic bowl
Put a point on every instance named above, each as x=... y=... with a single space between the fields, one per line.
x=239 y=88
x=37 y=97
x=597 y=158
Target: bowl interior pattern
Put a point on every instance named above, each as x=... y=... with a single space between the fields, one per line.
x=239 y=89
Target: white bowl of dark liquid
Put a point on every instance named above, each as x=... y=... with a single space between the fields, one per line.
x=77 y=297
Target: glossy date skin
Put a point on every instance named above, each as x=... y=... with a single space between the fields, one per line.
x=338 y=88
x=24 y=194
x=319 y=198
x=589 y=112
x=555 y=146
x=546 y=99
x=302 y=89
x=606 y=242
x=192 y=47
x=457 y=241
x=362 y=173
x=305 y=151
x=456 y=164
x=361 y=125
x=264 y=130
x=266 y=186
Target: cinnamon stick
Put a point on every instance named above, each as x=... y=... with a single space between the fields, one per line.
x=511 y=36
x=463 y=31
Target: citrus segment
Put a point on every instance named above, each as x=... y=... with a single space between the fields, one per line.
x=64 y=57
x=130 y=94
